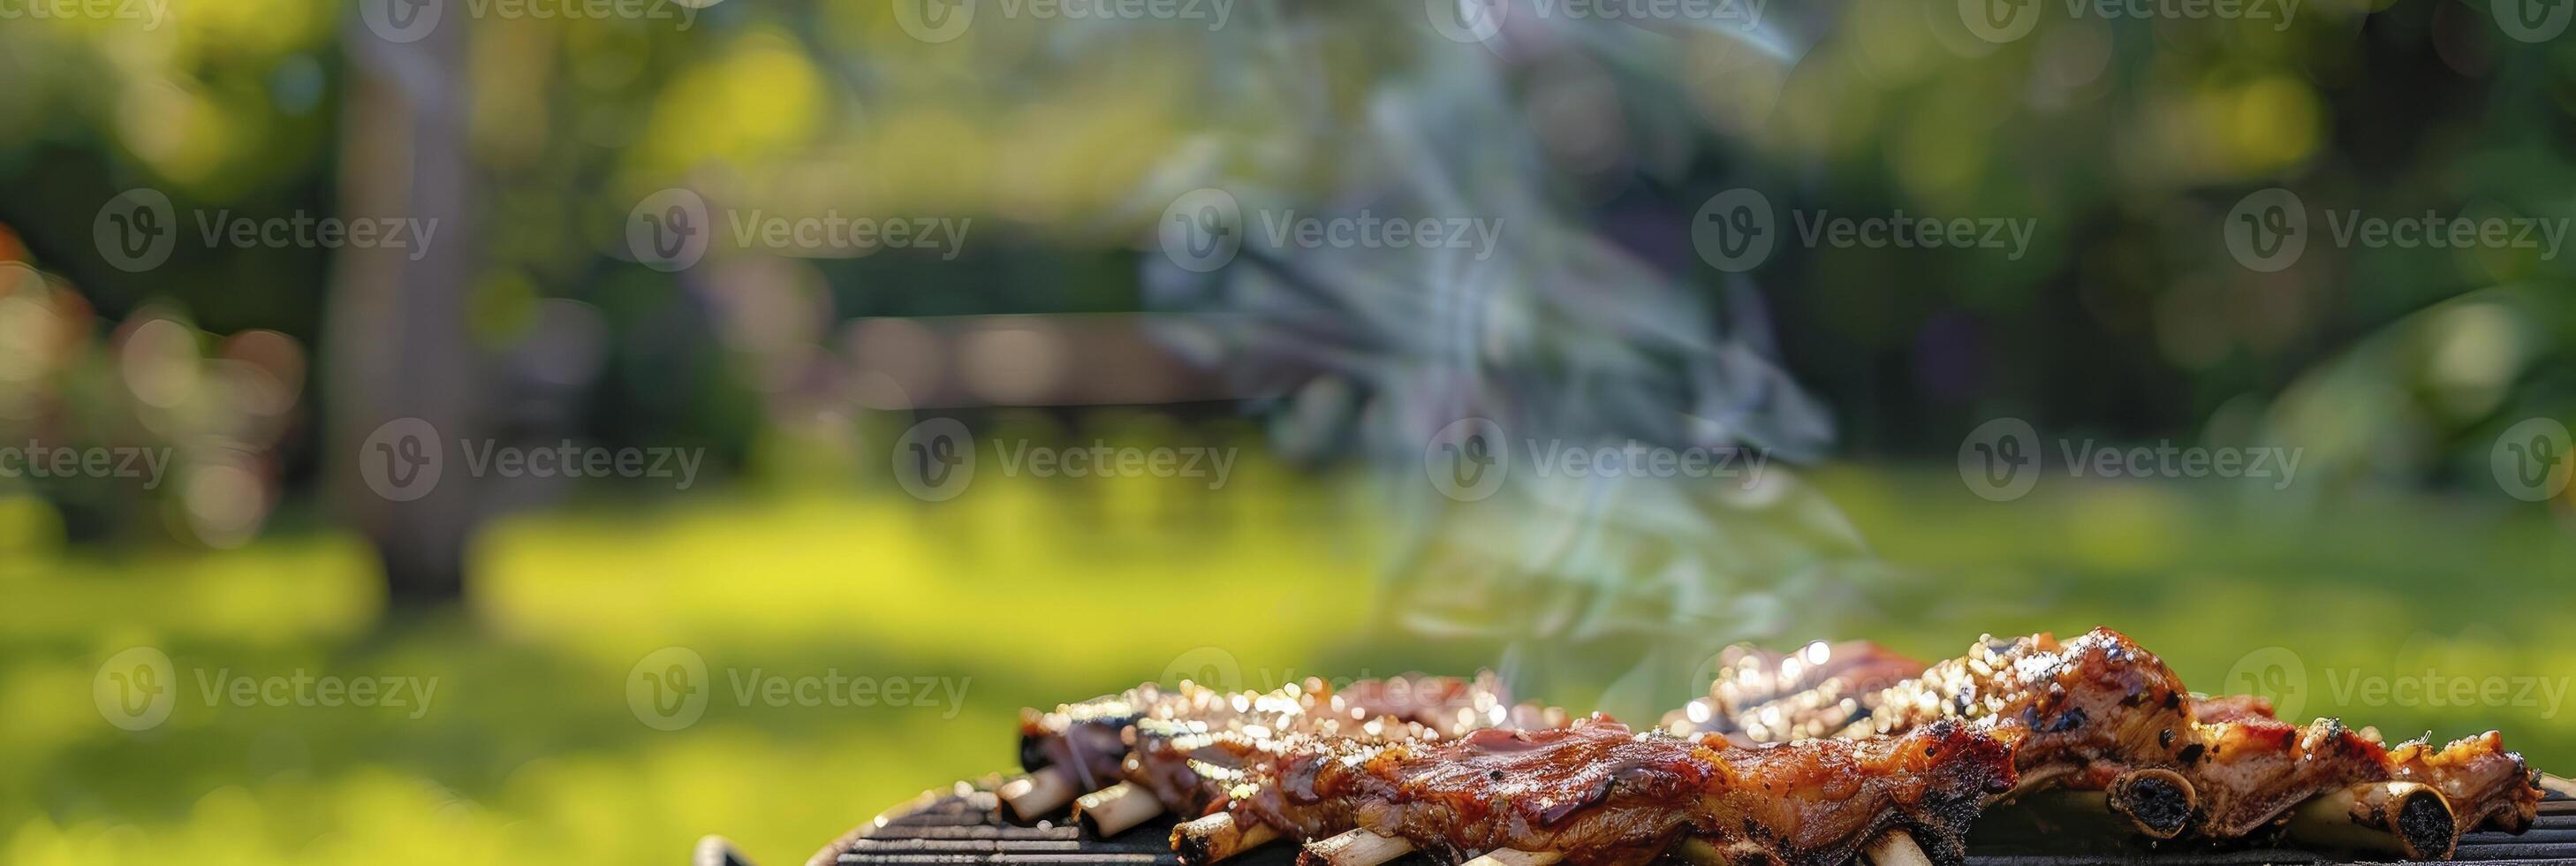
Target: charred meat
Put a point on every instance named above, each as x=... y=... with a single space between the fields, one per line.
x=1598 y=794
x=2101 y=713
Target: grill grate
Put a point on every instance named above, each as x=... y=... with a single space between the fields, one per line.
x=962 y=827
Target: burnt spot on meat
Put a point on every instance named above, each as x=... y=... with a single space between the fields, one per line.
x=1193 y=848
x=1033 y=753
x=2192 y=753
x=2159 y=804
x=2425 y=822
x=1756 y=857
x=2070 y=719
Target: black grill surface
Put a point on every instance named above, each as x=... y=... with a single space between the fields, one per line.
x=961 y=827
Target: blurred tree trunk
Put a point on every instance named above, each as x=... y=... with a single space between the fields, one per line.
x=396 y=337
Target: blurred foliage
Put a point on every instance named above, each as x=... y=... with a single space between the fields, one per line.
x=197 y=418
x=2124 y=140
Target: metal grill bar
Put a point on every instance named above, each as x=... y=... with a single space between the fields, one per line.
x=963 y=828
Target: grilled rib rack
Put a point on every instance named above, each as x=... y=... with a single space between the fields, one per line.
x=962 y=827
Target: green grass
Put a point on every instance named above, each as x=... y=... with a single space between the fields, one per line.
x=1028 y=593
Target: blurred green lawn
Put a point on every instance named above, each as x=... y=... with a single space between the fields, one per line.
x=1027 y=593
